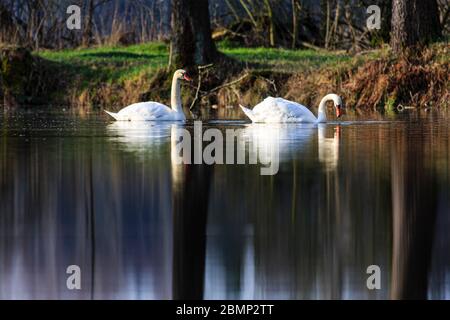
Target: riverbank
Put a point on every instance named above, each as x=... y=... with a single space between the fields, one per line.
x=113 y=77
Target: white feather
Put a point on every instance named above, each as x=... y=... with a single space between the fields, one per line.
x=147 y=111
x=279 y=110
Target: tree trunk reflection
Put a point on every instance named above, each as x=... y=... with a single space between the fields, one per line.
x=414 y=197
x=190 y=187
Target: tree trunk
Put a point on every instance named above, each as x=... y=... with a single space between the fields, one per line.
x=327 y=24
x=386 y=17
x=191 y=184
x=271 y=23
x=87 y=32
x=6 y=24
x=414 y=22
x=191 y=34
x=15 y=75
x=294 y=23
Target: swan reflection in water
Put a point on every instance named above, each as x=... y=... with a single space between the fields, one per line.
x=329 y=148
x=285 y=139
x=191 y=186
x=149 y=138
x=139 y=135
x=290 y=139
x=262 y=142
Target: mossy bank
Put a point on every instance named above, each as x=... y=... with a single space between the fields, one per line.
x=113 y=77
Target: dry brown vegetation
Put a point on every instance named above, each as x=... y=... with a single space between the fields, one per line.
x=414 y=79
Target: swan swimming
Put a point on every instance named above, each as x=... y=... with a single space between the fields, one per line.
x=279 y=110
x=155 y=111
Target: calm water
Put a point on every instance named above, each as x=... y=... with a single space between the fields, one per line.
x=108 y=197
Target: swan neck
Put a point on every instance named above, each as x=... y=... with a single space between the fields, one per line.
x=322 y=114
x=176 y=95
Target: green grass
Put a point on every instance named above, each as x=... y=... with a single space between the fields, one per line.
x=109 y=64
x=117 y=64
x=286 y=60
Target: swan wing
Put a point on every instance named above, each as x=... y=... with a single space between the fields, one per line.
x=294 y=110
x=145 y=111
x=282 y=110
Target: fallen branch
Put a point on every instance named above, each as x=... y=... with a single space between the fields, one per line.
x=229 y=84
x=272 y=82
x=310 y=46
x=207 y=66
x=197 y=92
x=200 y=94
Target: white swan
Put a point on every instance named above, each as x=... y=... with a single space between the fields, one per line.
x=275 y=110
x=155 y=111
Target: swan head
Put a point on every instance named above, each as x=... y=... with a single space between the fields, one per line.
x=182 y=75
x=338 y=104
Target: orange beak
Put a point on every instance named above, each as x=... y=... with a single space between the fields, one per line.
x=187 y=78
x=338 y=111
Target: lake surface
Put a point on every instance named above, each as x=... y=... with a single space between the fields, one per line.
x=109 y=198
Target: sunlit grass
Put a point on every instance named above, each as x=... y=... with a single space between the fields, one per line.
x=117 y=64
x=286 y=60
x=110 y=64
x=140 y=51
